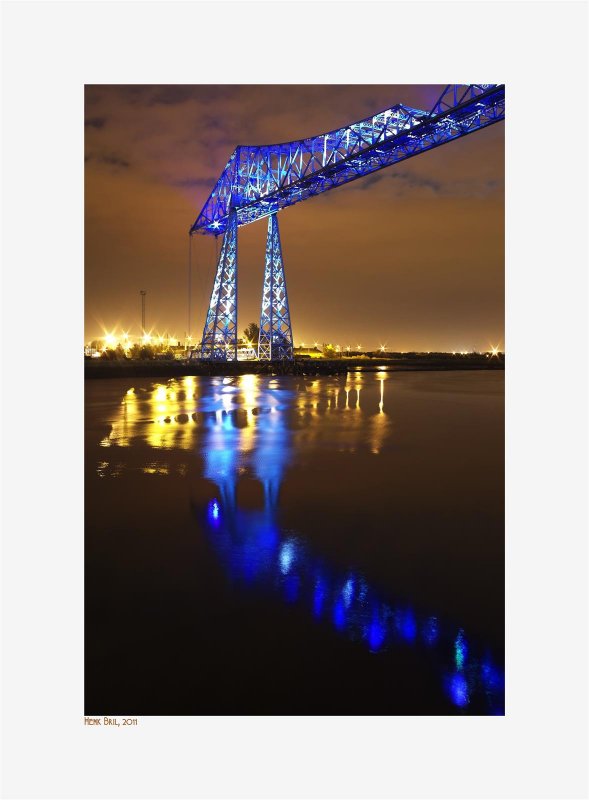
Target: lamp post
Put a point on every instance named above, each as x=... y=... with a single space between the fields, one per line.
x=142 y=292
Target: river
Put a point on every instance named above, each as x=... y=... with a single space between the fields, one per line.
x=291 y=545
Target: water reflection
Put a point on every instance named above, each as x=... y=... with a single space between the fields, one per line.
x=252 y=426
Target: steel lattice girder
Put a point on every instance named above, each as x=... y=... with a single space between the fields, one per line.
x=275 y=343
x=219 y=337
x=259 y=181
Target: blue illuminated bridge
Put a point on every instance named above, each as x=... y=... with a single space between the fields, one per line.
x=260 y=181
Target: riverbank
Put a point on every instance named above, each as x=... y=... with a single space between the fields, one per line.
x=101 y=368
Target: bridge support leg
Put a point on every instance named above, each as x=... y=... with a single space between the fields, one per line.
x=275 y=342
x=219 y=337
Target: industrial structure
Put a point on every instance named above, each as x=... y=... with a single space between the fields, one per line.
x=260 y=181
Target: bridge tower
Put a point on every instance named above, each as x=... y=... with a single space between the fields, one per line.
x=275 y=342
x=219 y=337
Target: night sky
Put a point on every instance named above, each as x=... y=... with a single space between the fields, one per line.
x=411 y=257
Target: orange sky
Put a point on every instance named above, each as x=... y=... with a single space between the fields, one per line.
x=412 y=256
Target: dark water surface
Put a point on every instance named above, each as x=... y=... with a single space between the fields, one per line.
x=260 y=545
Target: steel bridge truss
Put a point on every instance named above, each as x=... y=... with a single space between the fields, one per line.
x=219 y=337
x=259 y=181
x=275 y=342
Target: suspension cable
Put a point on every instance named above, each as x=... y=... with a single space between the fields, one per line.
x=189 y=332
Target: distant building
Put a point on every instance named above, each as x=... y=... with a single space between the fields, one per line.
x=307 y=352
x=244 y=353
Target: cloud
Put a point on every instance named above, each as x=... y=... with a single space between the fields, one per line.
x=404 y=182
x=110 y=159
x=171 y=95
x=95 y=122
x=369 y=181
x=176 y=94
x=192 y=183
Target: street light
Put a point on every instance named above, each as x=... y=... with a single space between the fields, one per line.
x=142 y=292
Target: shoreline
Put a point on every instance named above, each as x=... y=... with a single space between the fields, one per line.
x=99 y=368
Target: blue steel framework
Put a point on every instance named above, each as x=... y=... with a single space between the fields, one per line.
x=219 y=337
x=260 y=181
x=275 y=342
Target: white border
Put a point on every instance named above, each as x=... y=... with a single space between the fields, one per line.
x=540 y=51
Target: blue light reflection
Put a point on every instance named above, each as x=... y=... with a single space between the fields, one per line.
x=287 y=556
x=213 y=513
x=431 y=631
x=460 y=650
x=376 y=634
x=458 y=690
x=348 y=592
x=339 y=614
x=407 y=626
x=257 y=552
x=319 y=597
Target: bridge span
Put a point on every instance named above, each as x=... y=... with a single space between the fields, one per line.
x=260 y=181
